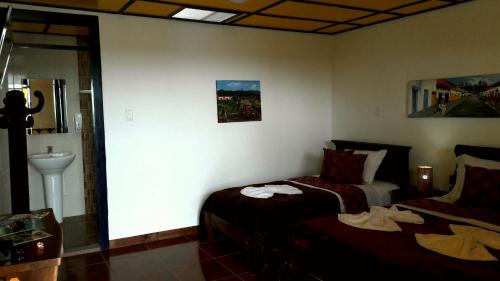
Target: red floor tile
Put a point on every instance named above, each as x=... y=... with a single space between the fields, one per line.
x=125 y=250
x=235 y=263
x=220 y=248
x=96 y=272
x=231 y=278
x=83 y=260
x=171 y=260
x=202 y=271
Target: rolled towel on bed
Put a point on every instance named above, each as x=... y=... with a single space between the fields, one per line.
x=467 y=243
x=486 y=237
x=283 y=189
x=256 y=192
x=380 y=218
x=268 y=191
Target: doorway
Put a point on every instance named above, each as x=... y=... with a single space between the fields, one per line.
x=65 y=48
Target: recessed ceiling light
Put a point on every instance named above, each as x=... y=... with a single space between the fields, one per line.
x=192 y=14
x=203 y=15
x=219 y=17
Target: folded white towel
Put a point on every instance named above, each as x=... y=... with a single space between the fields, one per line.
x=268 y=191
x=380 y=218
x=256 y=192
x=283 y=189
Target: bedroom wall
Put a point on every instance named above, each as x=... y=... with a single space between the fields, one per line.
x=372 y=66
x=162 y=165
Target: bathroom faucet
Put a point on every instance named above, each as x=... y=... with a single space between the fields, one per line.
x=49 y=149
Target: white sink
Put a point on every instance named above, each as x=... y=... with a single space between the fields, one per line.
x=51 y=163
x=51 y=166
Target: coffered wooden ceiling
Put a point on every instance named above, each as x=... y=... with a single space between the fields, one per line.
x=311 y=16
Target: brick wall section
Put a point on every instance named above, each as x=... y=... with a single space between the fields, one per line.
x=88 y=145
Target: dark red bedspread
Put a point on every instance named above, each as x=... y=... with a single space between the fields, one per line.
x=387 y=254
x=279 y=210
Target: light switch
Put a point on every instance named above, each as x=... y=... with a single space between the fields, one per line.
x=129 y=115
x=78 y=123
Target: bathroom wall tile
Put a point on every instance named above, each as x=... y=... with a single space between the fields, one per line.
x=73 y=205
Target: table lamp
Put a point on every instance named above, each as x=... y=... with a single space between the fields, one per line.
x=424 y=179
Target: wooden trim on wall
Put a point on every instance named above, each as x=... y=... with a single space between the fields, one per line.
x=151 y=237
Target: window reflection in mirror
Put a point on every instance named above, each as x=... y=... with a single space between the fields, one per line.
x=53 y=117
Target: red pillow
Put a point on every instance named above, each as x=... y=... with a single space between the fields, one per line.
x=346 y=168
x=481 y=188
x=326 y=166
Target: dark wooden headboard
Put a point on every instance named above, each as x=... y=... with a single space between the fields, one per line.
x=483 y=152
x=395 y=167
x=490 y=153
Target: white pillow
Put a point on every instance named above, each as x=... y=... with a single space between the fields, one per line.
x=463 y=160
x=372 y=163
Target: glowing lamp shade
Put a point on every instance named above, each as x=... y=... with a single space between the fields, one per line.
x=424 y=179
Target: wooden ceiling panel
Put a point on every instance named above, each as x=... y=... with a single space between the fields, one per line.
x=68 y=30
x=421 y=7
x=318 y=16
x=151 y=9
x=281 y=23
x=337 y=28
x=314 y=11
x=100 y=5
x=28 y=26
x=380 y=5
x=374 y=19
x=244 y=6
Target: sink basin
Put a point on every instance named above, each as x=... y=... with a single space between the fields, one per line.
x=51 y=163
x=51 y=166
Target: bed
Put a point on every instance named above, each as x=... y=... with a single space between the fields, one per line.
x=256 y=223
x=334 y=250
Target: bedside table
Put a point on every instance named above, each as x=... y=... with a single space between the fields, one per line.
x=413 y=193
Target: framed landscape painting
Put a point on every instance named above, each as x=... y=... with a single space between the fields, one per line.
x=238 y=101
x=469 y=96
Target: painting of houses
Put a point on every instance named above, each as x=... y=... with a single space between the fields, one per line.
x=238 y=101
x=470 y=96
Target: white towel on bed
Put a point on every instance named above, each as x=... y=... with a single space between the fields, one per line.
x=268 y=191
x=380 y=218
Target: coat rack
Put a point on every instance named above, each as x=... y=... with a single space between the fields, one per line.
x=15 y=117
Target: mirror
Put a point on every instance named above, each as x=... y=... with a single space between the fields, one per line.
x=5 y=42
x=53 y=117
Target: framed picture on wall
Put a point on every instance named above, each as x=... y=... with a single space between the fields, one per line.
x=469 y=96
x=238 y=101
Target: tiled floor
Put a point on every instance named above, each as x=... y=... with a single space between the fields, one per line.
x=179 y=259
x=79 y=233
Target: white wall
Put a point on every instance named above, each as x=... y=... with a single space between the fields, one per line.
x=372 y=66
x=161 y=166
x=53 y=64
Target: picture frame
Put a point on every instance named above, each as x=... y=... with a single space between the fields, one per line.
x=238 y=101
x=468 y=96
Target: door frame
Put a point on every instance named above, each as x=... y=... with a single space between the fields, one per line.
x=92 y=22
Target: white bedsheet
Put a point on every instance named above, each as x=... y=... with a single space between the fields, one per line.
x=378 y=193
